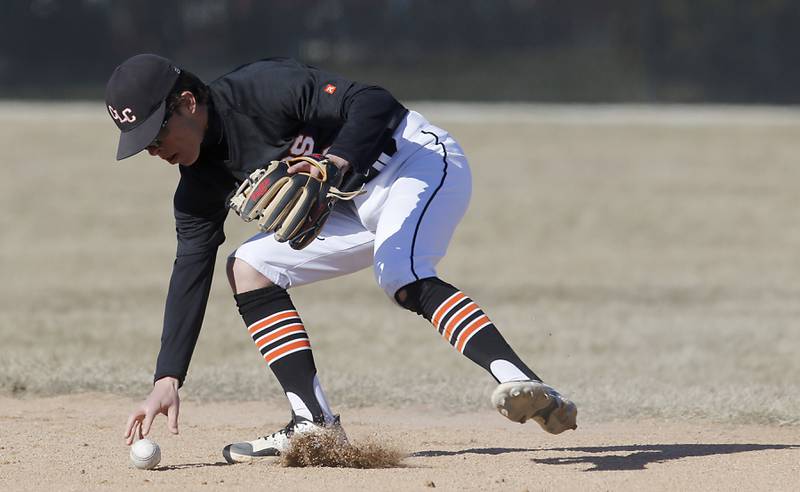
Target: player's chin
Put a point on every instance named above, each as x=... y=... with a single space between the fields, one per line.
x=188 y=161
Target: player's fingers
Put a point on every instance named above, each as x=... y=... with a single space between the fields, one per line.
x=148 y=421
x=135 y=430
x=172 y=417
x=133 y=419
x=129 y=425
x=299 y=167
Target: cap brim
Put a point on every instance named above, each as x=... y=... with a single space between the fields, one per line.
x=136 y=140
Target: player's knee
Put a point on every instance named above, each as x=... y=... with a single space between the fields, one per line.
x=244 y=278
x=408 y=297
x=413 y=296
x=393 y=278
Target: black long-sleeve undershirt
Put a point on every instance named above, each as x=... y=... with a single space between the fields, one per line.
x=256 y=113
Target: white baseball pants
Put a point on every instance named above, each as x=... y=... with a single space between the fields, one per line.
x=401 y=226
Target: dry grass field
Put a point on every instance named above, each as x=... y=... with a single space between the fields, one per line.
x=644 y=261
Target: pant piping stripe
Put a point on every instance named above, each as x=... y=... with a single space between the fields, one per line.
x=425 y=209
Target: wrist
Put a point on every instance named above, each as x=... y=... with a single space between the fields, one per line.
x=168 y=381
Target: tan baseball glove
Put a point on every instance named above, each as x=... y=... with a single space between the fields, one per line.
x=294 y=206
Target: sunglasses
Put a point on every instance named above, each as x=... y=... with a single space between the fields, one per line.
x=156 y=143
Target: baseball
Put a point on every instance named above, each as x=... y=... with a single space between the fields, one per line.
x=145 y=454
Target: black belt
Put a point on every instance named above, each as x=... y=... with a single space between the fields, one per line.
x=353 y=180
x=389 y=150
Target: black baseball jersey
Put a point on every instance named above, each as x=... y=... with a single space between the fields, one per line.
x=260 y=112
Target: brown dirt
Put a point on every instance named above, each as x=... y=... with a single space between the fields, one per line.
x=642 y=260
x=75 y=442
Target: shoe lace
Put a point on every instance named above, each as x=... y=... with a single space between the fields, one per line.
x=287 y=431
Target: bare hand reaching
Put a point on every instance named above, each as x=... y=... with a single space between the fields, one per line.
x=163 y=399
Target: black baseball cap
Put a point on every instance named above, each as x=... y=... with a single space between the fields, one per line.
x=136 y=97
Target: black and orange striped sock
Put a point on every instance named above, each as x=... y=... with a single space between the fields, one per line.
x=466 y=327
x=278 y=332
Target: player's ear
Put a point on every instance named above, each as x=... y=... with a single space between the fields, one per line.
x=189 y=101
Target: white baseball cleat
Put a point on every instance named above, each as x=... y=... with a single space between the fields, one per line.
x=278 y=442
x=523 y=400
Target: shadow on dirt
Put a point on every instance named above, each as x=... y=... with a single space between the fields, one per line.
x=491 y=451
x=637 y=457
x=189 y=465
x=614 y=458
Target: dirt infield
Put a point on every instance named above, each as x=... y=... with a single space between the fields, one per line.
x=75 y=443
x=642 y=260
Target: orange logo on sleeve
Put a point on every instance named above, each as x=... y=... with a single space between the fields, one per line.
x=330 y=89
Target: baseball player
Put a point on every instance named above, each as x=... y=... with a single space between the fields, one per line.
x=409 y=185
